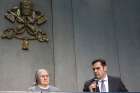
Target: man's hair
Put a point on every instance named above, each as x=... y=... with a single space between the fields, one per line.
x=102 y=61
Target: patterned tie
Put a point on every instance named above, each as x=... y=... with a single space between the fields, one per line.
x=103 y=89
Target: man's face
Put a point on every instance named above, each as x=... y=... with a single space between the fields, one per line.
x=43 y=78
x=99 y=70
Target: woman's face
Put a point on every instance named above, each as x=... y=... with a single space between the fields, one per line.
x=43 y=78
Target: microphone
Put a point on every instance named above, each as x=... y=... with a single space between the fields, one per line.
x=96 y=82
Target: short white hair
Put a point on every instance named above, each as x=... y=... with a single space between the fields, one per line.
x=37 y=75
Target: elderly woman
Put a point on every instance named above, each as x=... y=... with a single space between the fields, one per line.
x=42 y=82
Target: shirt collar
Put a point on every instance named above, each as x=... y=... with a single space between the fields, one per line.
x=105 y=79
x=43 y=87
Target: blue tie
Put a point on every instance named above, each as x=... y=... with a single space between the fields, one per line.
x=103 y=89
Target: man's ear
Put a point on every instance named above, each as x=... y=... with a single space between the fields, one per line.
x=105 y=68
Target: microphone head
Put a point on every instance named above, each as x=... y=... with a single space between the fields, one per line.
x=96 y=79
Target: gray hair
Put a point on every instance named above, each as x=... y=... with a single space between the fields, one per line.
x=37 y=75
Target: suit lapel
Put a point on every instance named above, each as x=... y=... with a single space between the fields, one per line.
x=110 y=84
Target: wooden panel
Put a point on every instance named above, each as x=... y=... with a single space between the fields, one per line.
x=65 y=67
x=127 y=17
x=17 y=67
x=95 y=37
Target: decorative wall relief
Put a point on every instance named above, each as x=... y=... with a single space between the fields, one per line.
x=27 y=21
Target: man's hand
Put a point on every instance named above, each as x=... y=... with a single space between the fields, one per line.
x=92 y=87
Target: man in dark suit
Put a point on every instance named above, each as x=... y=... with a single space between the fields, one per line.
x=103 y=82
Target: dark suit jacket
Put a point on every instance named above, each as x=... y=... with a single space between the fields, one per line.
x=115 y=85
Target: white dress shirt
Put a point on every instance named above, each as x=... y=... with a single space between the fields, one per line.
x=105 y=82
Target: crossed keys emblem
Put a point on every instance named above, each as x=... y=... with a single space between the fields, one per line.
x=27 y=22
